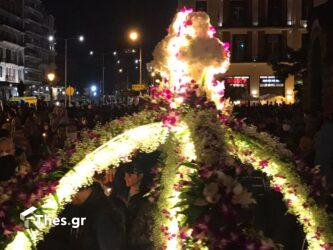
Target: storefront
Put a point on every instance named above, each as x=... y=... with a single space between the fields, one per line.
x=271 y=85
x=7 y=90
x=237 y=87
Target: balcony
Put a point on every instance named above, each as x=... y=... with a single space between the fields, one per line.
x=10 y=21
x=33 y=13
x=10 y=78
x=10 y=61
x=32 y=57
x=13 y=40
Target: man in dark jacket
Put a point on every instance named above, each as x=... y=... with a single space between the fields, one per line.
x=102 y=229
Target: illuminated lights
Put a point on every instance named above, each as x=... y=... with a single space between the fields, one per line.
x=291 y=187
x=134 y=36
x=51 y=77
x=93 y=88
x=108 y=155
x=184 y=61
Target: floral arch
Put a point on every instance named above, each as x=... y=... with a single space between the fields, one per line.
x=202 y=145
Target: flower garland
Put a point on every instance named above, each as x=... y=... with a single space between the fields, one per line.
x=200 y=152
x=109 y=155
x=191 y=192
x=310 y=175
x=166 y=227
x=283 y=178
x=31 y=189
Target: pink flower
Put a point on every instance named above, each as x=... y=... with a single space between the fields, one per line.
x=212 y=30
x=263 y=164
x=277 y=188
x=223 y=119
x=170 y=120
x=226 y=46
x=167 y=94
x=327 y=246
x=188 y=23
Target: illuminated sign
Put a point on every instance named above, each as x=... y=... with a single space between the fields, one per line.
x=238 y=81
x=270 y=82
x=139 y=87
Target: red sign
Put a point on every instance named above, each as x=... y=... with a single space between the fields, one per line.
x=238 y=81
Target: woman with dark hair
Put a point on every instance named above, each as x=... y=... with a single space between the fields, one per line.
x=138 y=211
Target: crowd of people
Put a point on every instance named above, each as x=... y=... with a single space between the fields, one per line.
x=311 y=139
x=116 y=212
x=286 y=122
x=29 y=133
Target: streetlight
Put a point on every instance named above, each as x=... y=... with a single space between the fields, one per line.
x=80 y=38
x=93 y=88
x=134 y=37
x=91 y=53
x=51 y=76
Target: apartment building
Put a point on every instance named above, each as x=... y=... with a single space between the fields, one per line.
x=25 y=53
x=259 y=31
x=11 y=48
x=39 y=53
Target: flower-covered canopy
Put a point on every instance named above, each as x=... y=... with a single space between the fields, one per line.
x=190 y=53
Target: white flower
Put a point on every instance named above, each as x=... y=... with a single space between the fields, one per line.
x=244 y=198
x=227 y=181
x=210 y=192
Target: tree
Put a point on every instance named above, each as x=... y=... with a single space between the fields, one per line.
x=295 y=64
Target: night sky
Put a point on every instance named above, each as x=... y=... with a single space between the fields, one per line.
x=105 y=24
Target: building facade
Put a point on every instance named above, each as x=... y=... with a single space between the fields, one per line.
x=259 y=31
x=319 y=86
x=25 y=53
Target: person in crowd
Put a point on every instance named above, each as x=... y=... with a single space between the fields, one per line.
x=324 y=142
x=102 y=228
x=8 y=162
x=139 y=211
